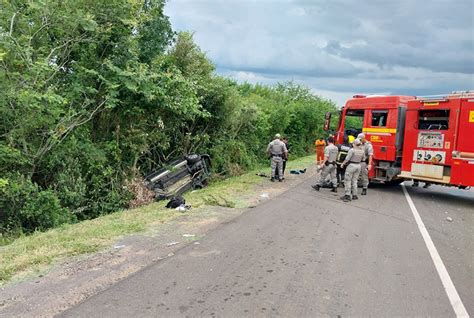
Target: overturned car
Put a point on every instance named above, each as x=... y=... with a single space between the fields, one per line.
x=179 y=176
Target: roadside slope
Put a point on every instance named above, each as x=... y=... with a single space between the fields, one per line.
x=91 y=256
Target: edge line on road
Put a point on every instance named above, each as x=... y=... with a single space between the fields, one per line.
x=448 y=284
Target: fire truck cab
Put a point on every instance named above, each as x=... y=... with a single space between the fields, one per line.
x=439 y=140
x=421 y=138
x=382 y=119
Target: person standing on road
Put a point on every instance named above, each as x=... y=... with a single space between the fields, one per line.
x=285 y=158
x=353 y=162
x=366 y=164
x=277 y=151
x=328 y=166
x=319 y=144
x=343 y=150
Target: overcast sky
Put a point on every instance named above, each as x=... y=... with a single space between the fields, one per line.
x=337 y=47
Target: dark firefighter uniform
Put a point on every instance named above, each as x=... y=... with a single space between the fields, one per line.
x=343 y=150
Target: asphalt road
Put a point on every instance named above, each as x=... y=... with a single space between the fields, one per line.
x=308 y=254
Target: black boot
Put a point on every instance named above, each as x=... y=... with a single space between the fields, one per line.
x=354 y=197
x=364 y=192
x=334 y=189
x=316 y=187
x=346 y=198
x=272 y=179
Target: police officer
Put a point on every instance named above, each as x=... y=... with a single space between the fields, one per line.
x=343 y=150
x=285 y=158
x=328 y=166
x=366 y=164
x=353 y=162
x=277 y=151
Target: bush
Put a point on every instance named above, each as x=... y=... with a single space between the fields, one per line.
x=231 y=157
x=124 y=97
x=25 y=208
x=43 y=211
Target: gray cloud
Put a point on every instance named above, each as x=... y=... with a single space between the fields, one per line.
x=337 y=46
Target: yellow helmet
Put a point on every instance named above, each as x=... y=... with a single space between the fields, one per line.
x=351 y=139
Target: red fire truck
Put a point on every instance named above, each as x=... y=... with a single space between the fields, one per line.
x=421 y=138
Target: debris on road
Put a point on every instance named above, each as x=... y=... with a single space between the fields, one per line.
x=298 y=171
x=189 y=235
x=119 y=246
x=449 y=219
x=172 y=244
x=264 y=195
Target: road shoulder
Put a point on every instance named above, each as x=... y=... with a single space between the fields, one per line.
x=77 y=278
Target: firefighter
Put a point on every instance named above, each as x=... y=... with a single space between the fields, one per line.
x=343 y=150
x=277 y=151
x=366 y=163
x=319 y=144
x=328 y=166
x=353 y=162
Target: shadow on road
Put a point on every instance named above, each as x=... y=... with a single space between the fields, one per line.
x=454 y=196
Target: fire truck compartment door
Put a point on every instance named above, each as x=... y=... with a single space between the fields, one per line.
x=400 y=135
x=426 y=170
x=466 y=127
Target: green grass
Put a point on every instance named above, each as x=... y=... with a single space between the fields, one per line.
x=36 y=252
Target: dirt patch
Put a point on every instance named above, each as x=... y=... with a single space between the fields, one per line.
x=75 y=279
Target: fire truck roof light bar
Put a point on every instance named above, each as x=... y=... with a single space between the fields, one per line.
x=429 y=98
x=445 y=97
x=369 y=96
x=433 y=98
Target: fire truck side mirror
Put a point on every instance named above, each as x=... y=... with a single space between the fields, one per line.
x=327 y=121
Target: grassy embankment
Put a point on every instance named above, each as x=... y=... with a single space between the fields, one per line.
x=29 y=254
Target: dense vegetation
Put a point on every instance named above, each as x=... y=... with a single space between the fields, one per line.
x=95 y=93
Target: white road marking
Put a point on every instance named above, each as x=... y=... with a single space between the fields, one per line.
x=451 y=291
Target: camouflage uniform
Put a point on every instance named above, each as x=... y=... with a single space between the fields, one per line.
x=353 y=158
x=351 y=176
x=368 y=151
x=330 y=154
